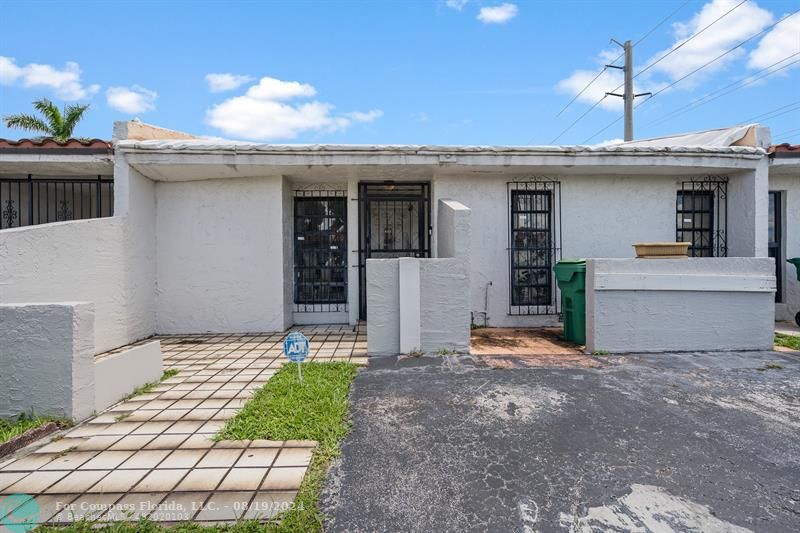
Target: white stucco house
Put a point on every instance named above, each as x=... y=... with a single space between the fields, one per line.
x=228 y=236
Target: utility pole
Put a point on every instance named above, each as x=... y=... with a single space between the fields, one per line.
x=628 y=95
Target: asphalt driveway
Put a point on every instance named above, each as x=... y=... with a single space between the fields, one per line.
x=703 y=442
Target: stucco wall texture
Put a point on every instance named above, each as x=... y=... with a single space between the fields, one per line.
x=645 y=305
x=47 y=352
x=789 y=187
x=107 y=261
x=220 y=250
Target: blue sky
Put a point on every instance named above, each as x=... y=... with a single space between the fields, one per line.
x=437 y=71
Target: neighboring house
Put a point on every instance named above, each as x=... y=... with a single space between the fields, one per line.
x=225 y=236
x=42 y=181
x=784 y=225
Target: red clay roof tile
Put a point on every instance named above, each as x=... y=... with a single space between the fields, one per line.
x=49 y=143
x=785 y=147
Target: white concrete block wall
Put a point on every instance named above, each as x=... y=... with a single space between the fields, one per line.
x=641 y=305
x=47 y=352
x=68 y=261
x=220 y=256
x=423 y=304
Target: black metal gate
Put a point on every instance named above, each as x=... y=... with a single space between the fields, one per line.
x=394 y=221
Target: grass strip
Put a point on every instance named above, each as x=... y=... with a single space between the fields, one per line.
x=10 y=428
x=787 y=341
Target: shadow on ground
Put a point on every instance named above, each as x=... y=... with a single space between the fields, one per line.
x=652 y=443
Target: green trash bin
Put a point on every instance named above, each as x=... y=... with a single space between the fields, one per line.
x=796 y=262
x=571 y=277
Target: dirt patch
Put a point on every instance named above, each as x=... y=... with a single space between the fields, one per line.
x=528 y=347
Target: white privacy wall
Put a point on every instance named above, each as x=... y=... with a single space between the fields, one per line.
x=107 y=261
x=656 y=305
x=47 y=353
x=221 y=253
x=423 y=304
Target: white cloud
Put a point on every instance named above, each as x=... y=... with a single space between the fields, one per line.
x=65 y=83
x=458 y=5
x=131 y=100
x=498 y=14
x=263 y=112
x=218 y=83
x=780 y=42
x=743 y=22
x=275 y=89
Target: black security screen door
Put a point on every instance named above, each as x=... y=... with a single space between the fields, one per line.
x=320 y=252
x=775 y=240
x=394 y=221
x=534 y=246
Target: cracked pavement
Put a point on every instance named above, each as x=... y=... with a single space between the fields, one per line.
x=681 y=442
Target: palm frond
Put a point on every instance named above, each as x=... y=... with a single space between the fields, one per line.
x=72 y=115
x=27 y=122
x=51 y=114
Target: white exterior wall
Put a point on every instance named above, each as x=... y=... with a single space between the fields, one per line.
x=789 y=186
x=655 y=305
x=601 y=216
x=221 y=253
x=47 y=353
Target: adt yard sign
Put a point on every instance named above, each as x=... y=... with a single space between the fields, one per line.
x=296 y=349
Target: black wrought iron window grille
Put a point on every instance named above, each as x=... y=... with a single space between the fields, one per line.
x=320 y=251
x=534 y=245
x=32 y=200
x=702 y=216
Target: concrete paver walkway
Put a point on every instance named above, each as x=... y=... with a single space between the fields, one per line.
x=154 y=455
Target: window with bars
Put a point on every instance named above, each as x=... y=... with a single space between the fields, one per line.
x=702 y=216
x=320 y=251
x=535 y=246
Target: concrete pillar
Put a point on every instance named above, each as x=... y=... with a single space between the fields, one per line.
x=410 y=331
x=748 y=210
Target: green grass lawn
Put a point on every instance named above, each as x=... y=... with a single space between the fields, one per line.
x=283 y=409
x=10 y=428
x=787 y=341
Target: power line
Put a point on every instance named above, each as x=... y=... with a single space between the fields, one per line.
x=684 y=43
x=701 y=67
x=715 y=94
x=565 y=130
x=642 y=38
x=654 y=28
x=787 y=132
x=778 y=111
x=749 y=81
x=651 y=65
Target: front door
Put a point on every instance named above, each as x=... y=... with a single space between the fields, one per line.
x=394 y=221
